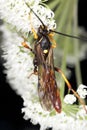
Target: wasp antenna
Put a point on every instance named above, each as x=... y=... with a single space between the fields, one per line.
x=36 y=15
x=67 y=35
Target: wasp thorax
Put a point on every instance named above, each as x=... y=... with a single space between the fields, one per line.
x=45 y=44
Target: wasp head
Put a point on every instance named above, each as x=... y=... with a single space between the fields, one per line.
x=42 y=31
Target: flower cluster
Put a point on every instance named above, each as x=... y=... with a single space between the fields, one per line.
x=82 y=91
x=69 y=99
x=18 y=14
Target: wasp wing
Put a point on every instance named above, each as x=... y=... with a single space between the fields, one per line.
x=47 y=86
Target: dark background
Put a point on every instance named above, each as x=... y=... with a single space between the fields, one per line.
x=11 y=104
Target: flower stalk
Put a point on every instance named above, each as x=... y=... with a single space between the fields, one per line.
x=76 y=48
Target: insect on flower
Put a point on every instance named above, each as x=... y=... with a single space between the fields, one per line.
x=48 y=90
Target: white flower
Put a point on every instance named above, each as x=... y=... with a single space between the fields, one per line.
x=69 y=99
x=82 y=91
x=16 y=13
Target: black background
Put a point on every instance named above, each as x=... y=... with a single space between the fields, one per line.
x=11 y=104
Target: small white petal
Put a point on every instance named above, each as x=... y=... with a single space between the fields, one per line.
x=69 y=99
x=82 y=91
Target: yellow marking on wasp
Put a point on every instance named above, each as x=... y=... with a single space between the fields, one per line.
x=45 y=51
x=51 y=34
x=52 y=40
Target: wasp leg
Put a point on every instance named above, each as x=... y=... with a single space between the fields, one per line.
x=35 y=72
x=50 y=35
x=34 y=33
x=32 y=28
x=35 y=65
x=70 y=87
x=24 y=44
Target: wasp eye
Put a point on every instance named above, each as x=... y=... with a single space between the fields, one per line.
x=45 y=51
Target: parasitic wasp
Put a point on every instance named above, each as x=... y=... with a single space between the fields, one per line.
x=48 y=91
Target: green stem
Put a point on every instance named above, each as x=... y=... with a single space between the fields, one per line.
x=76 y=49
x=66 y=47
x=53 y=3
x=63 y=66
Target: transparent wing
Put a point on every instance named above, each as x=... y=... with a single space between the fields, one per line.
x=47 y=88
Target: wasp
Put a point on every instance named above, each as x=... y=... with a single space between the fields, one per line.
x=48 y=90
